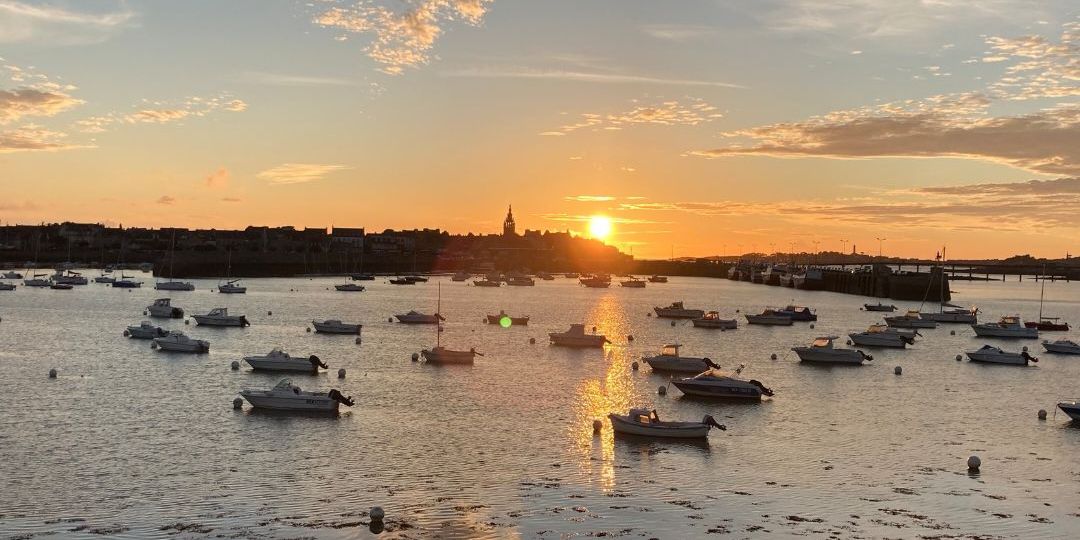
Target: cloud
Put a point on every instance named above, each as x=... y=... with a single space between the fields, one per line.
x=235 y=105
x=157 y=116
x=20 y=102
x=404 y=38
x=589 y=198
x=678 y=32
x=282 y=79
x=159 y=112
x=21 y=22
x=669 y=113
x=218 y=179
x=581 y=218
x=1043 y=68
x=166 y=200
x=31 y=138
x=296 y=173
x=230 y=199
x=582 y=76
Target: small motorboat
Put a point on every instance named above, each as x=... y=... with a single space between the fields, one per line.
x=646 y=423
x=911 y=319
x=657 y=279
x=770 y=317
x=576 y=337
x=334 y=326
x=506 y=320
x=286 y=396
x=521 y=281
x=1070 y=407
x=880 y=335
x=402 y=281
x=1062 y=346
x=633 y=283
x=232 y=287
x=415 y=317
x=952 y=315
x=822 y=351
x=799 y=313
x=669 y=361
x=349 y=287
x=992 y=355
x=362 y=277
x=163 y=308
x=1007 y=327
x=571 y=275
x=545 y=276
x=61 y=286
x=678 y=311
x=279 y=360
x=11 y=274
x=173 y=286
x=220 y=317
x=109 y=280
x=712 y=319
x=126 y=282
x=7 y=286
x=487 y=283
x=417 y=279
x=178 y=342
x=37 y=280
x=595 y=282
x=69 y=278
x=879 y=307
x=714 y=383
x=1048 y=324
x=461 y=276
x=442 y=355
x=145 y=330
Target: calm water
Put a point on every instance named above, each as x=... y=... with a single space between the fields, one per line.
x=132 y=442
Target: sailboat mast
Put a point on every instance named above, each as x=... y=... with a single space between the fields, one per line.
x=1042 y=293
x=438 y=318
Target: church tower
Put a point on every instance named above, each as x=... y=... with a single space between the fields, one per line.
x=508 y=224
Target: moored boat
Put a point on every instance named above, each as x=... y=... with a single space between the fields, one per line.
x=712 y=319
x=7 y=286
x=279 y=360
x=879 y=307
x=576 y=337
x=126 y=282
x=669 y=361
x=769 y=317
x=633 y=283
x=880 y=335
x=952 y=315
x=678 y=311
x=232 y=287
x=646 y=423
x=799 y=313
x=1007 y=327
x=334 y=326
x=461 y=276
x=145 y=330
x=178 y=342
x=822 y=351
x=521 y=281
x=487 y=283
x=594 y=282
x=163 y=308
x=442 y=355
x=349 y=287
x=36 y=280
x=220 y=317
x=286 y=396
x=1048 y=324
x=61 y=286
x=506 y=320
x=658 y=279
x=714 y=383
x=415 y=317
x=989 y=354
x=1071 y=407
x=1062 y=346
x=911 y=319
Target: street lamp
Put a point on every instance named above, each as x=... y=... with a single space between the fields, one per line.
x=879 y=241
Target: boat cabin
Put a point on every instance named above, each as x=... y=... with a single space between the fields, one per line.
x=670 y=350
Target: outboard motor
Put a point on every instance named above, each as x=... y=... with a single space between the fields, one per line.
x=765 y=391
x=244 y=321
x=866 y=356
x=1028 y=357
x=177 y=313
x=711 y=364
x=337 y=396
x=316 y=363
x=708 y=420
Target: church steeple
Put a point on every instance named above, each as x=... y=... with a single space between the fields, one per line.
x=508 y=224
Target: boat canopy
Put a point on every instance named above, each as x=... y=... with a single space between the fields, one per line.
x=671 y=349
x=285 y=384
x=877 y=328
x=824 y=341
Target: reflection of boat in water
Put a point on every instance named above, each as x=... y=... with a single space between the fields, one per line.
x=279 y=360
x=286 y=396
x=712 y=320
x=178 y=342
x=576 y=337
x=678 y=311
x=992 y=355
x=718 y=384
x=669 y=361
x=1062 y=346
x=513 y=321
x=822 y=351
x=646 y=423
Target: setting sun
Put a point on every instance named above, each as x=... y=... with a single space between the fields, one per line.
x=600 y=227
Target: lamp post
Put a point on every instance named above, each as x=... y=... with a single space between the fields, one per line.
x=879 y=241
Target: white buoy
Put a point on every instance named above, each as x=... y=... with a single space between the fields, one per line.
x=235 y=365
x=237 y=403
x=415 y=357
x=52 y=373
x=974 y=463
x=662 y=390
x=773 y=356
x=597 y=425
x=959 y=358
x=898 y=370
x=634 y=366
x=1042 y=414
x=341 y=373
x=377 y=513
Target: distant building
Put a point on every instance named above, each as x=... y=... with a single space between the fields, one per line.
x=508 y=224
x=348 y=235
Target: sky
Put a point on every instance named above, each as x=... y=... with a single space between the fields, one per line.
x=697 y=127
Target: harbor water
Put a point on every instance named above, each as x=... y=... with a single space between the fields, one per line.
x=130 y=442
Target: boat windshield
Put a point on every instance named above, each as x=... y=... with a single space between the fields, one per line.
x=284 y=384
x=877 y=328
x=823 y=342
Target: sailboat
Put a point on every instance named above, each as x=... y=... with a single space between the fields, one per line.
x=230 y=286
x=173 y=285
x=361 y=276
x=1046 y=323
x=35 y=279
x=442 y=355
x=955 y=314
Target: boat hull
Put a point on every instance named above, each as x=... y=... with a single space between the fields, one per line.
x=723 y=324
x=292 y=365
x=665 y=313
x=446 y=356
x=1010 y=333
x=1010 y=359
x=676 y=364
x=323 y=328
x=174 y=286
x=514 y=321
x=203 y=320
x=193 y=347
x=300 y=402
x=666 y=430
x=165 y=312
x=692 y=387
x=956 y=318
x=769 y=320
x=879 y=307
x=1061 y=348
x=909 y=322
x=578 y=342
x=829 y=356
x=864 y=340
x=1070 y=408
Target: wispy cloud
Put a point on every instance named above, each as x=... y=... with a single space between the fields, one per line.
x=400 y=38
x=162 y=112
x=297 y=173
x=582 y=76
x=230 y=199
x=284 y=79
x=30 y=138
x=689 y=112
x=589 y=198
x=167 y=200
x=22 y=102
x=678 y=32
x=51 y=25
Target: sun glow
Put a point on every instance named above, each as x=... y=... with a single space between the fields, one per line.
x=599 y=227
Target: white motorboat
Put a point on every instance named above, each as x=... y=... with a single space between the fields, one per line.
x=232 y=287
x=712 y=319
x=286 y=396
x=718 y=384
x=633 y=283
x=1062 y=346
x=37 y=280
x=461 y=276
x=178 y=342
x=415 y=317
x=595 y=282
x=174 y=286
x=145 y=330
x=576 y=337
x=505 y=320
x=880 y=335
x=334 y=326
x=911 y=319
x=521 y=281
x=677 y=311
x=69 y=278
x=669 y=361
x=993 y=355
x=163 y=308
x=799 y=313
x=279 y=360
x=11 y=274
x=349 y=287
x=658 y=279
x=822 y=351
x=1070 y=407
x=879 y=307
x=220 y=317
x=487 y=283
x=442 y=355
x=1007 y=327
x=646 y=423
x=770 y=317
x=952 y=315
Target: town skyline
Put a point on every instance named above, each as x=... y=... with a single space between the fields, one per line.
x=711 y=129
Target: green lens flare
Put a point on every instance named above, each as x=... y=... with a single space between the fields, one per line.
x=505 y=322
